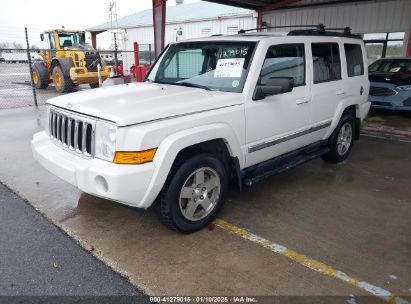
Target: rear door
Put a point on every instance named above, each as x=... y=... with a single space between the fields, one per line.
x=357 y=84
x=328 y=87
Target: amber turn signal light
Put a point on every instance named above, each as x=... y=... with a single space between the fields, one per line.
x=134 y=158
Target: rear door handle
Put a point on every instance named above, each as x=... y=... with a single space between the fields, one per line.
x=303 y=100
x=340 y=92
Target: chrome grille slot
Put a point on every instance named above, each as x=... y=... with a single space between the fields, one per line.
x=72 y=132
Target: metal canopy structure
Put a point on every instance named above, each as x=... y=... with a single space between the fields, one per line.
x=256 y=4
x=260 y=6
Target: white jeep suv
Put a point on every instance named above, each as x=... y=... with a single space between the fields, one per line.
x=211 y=111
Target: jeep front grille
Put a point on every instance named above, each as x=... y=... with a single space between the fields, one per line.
x=72 y=132
x=381 y=91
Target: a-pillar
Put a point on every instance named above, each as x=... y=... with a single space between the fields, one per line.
x=408 y=48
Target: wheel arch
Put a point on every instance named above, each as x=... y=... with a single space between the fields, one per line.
x=218 y=139
x=354 y=110
x=64 y=63
x=342 y=109
x=220 y=148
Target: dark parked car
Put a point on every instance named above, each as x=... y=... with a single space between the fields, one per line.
x=390 y=83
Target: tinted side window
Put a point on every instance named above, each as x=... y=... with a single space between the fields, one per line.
x=285 y=60
x=355 y=64
x=51 y=39
x=326 y=62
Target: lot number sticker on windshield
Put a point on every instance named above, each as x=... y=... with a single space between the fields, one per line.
x=230 y=67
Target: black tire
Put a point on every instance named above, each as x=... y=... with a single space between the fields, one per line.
x=169 y=203
x=337 y=154
x=64 y=84
x=40 y=82
x=94 y=85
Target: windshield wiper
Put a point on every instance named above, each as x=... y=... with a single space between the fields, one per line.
x=193 y=85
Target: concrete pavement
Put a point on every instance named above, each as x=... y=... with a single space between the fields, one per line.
x=38 y=259
x=353 y=217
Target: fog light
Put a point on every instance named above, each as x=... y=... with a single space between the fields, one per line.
x=101 y=184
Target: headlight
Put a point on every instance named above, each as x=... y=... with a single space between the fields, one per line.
x=105 y=141
x=406 y=87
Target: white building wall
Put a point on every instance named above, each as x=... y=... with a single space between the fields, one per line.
x=145 y=35
x=193 y=29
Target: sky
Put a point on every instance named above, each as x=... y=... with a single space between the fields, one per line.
x=76 y=14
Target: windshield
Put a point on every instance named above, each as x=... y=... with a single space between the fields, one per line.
x=391 y=66
x=69 y=39
x=208 y=65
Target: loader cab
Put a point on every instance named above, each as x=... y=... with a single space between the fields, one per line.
x=60 y=39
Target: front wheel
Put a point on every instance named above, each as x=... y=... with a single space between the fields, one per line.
x=342 y=140
x=62 y=82
x=193 y=194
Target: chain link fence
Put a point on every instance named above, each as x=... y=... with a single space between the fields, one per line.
x=15 y=85
x=16 y=88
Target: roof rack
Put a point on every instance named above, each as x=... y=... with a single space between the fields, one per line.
x=310 y=30
x=278 y=27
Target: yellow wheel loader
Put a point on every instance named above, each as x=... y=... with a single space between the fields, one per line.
x=69 y=62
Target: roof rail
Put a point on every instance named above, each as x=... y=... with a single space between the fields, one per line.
x=316 y=26
x=311 y=30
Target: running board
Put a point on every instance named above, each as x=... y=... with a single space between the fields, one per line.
x=281 y=163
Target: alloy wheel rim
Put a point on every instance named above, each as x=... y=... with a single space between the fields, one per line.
x=200 y=194
x=344 y=139
x=57 y=80
x=35 y=77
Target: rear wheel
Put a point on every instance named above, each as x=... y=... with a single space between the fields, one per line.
x=193 y=194
x=342 y=140
x=38 y=79
x=62 y=82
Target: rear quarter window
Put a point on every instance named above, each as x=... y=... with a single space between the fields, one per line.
x=354 y=56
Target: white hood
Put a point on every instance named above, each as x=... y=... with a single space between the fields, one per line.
x=141 y=102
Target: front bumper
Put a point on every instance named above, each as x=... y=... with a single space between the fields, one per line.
x=387 y=105
x=126 y=184
x=401 y=100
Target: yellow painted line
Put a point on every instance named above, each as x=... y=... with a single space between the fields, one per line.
x=312 y=264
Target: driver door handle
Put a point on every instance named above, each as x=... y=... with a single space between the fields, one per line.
x=340 y=92
x=303 y=100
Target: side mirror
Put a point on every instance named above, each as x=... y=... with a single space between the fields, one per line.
x=273 y=86
x=42 y=37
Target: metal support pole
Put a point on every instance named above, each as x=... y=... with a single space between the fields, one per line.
x=100 y=82
x=30 y=68
x=136 y=57
x=408 y=48
x=94 y=40
x=159 y=25
x=149 y=51
x=384 y=47
x=259 y=19
x=115 y=54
